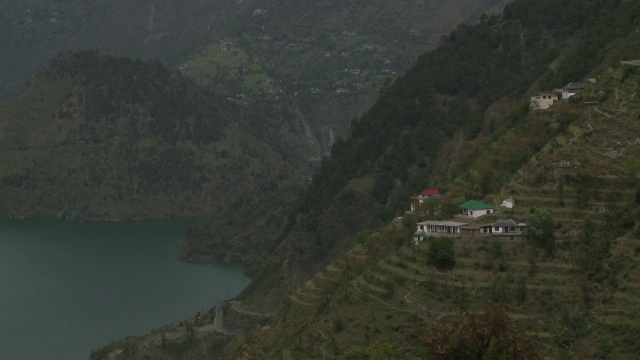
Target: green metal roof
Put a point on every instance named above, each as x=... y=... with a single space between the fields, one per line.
x=476 y=205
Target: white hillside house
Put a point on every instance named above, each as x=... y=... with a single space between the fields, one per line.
x=508 y=203
x=544 y=100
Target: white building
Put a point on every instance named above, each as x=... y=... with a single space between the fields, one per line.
x=433 y=228
x=544 y=100
x=572 y=89
x=508 y=203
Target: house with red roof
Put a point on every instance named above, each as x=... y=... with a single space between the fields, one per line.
x=424 y=195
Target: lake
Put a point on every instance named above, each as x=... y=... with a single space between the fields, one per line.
x=67 y=288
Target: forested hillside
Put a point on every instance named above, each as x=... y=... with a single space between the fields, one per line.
x=101 y=136
x=307 y=67
x=345 y=281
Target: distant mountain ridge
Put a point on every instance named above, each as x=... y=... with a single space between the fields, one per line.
x=34 y=31
x=287 y=41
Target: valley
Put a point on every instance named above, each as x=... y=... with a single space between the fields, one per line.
x=303 y=140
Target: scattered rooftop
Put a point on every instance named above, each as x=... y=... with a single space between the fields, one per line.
x=476 y=205
x=429 y=192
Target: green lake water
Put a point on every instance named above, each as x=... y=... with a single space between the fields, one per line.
x=67 y=288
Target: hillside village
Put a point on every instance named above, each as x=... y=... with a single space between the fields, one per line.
x=467 y=223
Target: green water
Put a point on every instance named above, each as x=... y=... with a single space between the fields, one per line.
x=67 y=288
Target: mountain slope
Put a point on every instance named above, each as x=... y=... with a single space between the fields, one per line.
x=411 y=136
x=346 y=283
x=101 y=136
x=328 y=58
x=577 y=160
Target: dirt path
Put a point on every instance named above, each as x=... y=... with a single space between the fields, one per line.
x=324 y=354
x=298 y=301
x=237 y=307
x=421 y=313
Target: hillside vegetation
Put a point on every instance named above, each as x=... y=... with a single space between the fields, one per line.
x=100 y=136
x=432 y=125
x=306 y=68
x=345 y=280
x=576 y=297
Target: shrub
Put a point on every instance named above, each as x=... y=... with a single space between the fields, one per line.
x=441 y=253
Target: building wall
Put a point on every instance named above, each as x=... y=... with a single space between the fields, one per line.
x=543 y=101
x=476 y=213
x=503 y=230
x=567 y=94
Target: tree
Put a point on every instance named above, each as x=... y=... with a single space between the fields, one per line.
x=490 y=335
x=408 y=227
x=441 y=253
x=541 y=229
x=437 y=209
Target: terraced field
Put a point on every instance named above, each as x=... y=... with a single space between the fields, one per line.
x=399 y=290
x=588 y=171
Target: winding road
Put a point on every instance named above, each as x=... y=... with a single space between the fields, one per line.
x=236 y=305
